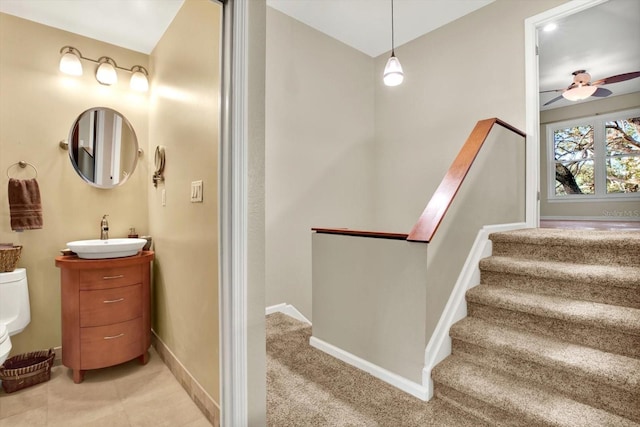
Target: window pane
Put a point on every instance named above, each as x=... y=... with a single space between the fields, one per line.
x=623 y=174
x=573 y=144
x=575 y=178
x=623 y=136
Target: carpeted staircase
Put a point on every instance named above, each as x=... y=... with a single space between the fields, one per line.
x=552 y=336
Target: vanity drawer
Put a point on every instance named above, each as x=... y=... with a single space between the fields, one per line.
x=106 y=306
x=110 y=277
x=112 y=344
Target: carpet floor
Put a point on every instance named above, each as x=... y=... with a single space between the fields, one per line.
x=552 y=333
x=306 y=387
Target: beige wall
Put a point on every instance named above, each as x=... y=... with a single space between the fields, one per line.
x=38 y=105
x=610 y=209
x=184 y=118
x=37 y=108
x=468 y=70
x=376 y=310
x=343 y=150
x=256 y=338
x=319 y=149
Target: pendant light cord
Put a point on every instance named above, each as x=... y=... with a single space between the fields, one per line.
x=392 y=41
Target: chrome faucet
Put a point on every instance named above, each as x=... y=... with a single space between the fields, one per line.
x=104 y=228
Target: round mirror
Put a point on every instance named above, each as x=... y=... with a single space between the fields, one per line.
x=103 y=147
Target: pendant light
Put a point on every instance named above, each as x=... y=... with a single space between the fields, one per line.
x=393 y=74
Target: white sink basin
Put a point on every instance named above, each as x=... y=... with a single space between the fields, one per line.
x=110 y=248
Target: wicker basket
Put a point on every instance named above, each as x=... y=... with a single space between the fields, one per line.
x=9 y=256
x=25 y=370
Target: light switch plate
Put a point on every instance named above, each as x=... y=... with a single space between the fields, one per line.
x=196 y=191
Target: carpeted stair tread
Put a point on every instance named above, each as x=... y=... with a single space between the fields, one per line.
x=536 y=405
x=577 y=246
x=622 y=319
x=612 y=275
x=559 y=237
x=615 y=370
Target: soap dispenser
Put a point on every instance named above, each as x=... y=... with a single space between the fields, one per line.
x=132 y=233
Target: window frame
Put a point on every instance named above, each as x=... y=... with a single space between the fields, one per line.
x=598 y=122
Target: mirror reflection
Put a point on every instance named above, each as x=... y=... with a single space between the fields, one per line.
x=103 y=147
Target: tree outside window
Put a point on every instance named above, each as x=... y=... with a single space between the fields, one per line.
x=596 y=157
x=623 y=155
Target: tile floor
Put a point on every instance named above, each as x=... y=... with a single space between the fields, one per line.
x=127 y=395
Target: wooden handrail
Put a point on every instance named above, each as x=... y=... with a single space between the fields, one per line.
x=435 y=210
x=361 y=233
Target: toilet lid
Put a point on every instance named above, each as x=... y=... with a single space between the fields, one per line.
x=4 y=334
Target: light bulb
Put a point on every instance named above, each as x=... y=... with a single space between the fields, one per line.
x=106 y=74
x=70 y=64
x=139 y=82
x=579 y=93
x=393 y=74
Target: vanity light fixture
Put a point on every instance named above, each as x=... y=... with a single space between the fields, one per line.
x=393 y=74
x=106 y=72
x=139 y=79
x=70 y=61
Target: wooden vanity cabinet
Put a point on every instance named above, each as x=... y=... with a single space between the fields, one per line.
x=105 y=311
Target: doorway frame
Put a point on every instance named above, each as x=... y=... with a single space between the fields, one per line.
x=234 y=194
x=532 y=98
x=233 y=200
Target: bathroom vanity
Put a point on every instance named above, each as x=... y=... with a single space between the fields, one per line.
x=105 y=311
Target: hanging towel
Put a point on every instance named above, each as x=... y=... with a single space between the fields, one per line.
x=25 y=206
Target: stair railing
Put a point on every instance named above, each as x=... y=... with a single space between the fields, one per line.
x=427 y=225
x=378 y=301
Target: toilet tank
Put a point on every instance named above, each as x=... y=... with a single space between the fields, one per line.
x=15 y=311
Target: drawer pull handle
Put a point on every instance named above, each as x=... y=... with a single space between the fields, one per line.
x=119 y=276
x=110 y=301
x=114 y=337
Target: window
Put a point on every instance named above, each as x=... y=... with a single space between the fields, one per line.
x=595 y=158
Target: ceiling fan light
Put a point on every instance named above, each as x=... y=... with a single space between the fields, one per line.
x=70 y=64
x=579 y=93
x=393 y=74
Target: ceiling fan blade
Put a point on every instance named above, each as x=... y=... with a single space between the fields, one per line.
x=552 y=90
x=602 y=92
x=557 y=98
x=617 y=78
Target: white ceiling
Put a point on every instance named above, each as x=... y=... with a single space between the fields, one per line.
x=133 y=24
x=602 y=40
x=138 y=24
x=366 y=24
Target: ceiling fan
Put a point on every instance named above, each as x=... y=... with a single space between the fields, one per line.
x=582 y=86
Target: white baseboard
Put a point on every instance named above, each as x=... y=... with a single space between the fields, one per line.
x=611 y=218
x=389 y=377
x=439 y=346
x=287 y=309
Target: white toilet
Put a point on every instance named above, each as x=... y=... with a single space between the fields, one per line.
x=15 y=311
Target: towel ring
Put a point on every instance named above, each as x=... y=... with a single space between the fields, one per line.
x=23 y=165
